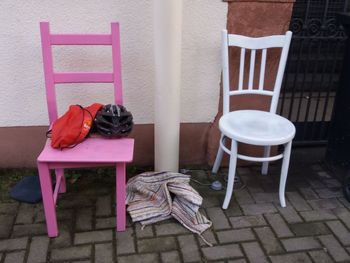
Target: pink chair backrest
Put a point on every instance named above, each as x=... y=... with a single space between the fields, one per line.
x=52 y=78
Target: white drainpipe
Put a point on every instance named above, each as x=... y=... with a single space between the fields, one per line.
x=167 y=41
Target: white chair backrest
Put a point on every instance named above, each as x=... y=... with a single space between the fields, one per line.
x=253 y=44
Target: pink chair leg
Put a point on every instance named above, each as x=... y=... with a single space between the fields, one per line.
x=47 y=195
x=120 y=196
x=63 y=181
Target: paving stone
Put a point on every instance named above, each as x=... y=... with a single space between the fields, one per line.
x=105 y=222
x=218 y=218
x=64 y=238
x=236 y=261
x=297 y=201
x=325 y=204
x=254 y=252
x=300 y=243
x=156 y=244
x=268 y=240
x=278 y=225
x=332 y=183
x=315 y=183
x=310 y=229
x=25 y=214
x=13 y=244
x=318 y=215
x=308 y=193
x=6 y=225
x=71 y=253
x=243 y=197
x=84 y=219
x=344 y=215
x=291 y=258
x=320 y=256
x=344 y=202
x=258 y=209
x=62 y=214
x=93 y=236
x=222 y=252
x=74 y=202
x=254 y=187
x=15 y=257
x=189 y=248
x=9 y=208
x=209 y=236
x=210 y=202
x=247 y=221
x=145 y=232
x=29 y=230
x=170 y=229
x=266 y=197
x=103 y=206
x=340 y=231
x=239 y=235
x=323 y=174
x=233 y=210
x=329 y=193
x=289 y=214
x=104 y=253
x=125 y=242
x=144 y=258
x=334 y=248
x=38 y=249
x=170 y=257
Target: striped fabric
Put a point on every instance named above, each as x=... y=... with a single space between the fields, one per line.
x=153 y=197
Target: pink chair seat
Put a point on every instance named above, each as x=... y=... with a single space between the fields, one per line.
x=96 y=150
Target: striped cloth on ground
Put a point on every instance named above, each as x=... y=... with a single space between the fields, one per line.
x=153 y=197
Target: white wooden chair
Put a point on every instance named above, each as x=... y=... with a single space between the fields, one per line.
x=252 y=126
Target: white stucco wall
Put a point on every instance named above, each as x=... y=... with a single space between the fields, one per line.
x=22 y=93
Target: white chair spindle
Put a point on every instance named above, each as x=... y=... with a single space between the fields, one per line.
x=241 y=69
x=262 y=69
x=251 y=69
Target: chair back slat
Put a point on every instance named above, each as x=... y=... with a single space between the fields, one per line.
x=52 y=78
x=48 y=71
x=78 y=39
x=83 y=77
x=257 y=42
x=254 y=45
x=251 y=69
x=241 y=69
x=117 y=66
x=262 y=69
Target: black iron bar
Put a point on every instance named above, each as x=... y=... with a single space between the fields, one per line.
x=325 y=63
x=295 y=78
x=330 y=84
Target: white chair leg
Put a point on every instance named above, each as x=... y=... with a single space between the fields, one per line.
x=231 y=174
x=265 y=165
x=218 y=158
x=284 y=172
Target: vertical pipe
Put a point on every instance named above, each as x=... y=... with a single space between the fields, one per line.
x=167 y=43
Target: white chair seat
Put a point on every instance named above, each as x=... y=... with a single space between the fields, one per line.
x=257 y=127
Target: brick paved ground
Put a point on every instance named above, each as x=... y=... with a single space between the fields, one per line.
x=314 y=227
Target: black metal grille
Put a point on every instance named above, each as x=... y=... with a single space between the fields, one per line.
x=313 y=68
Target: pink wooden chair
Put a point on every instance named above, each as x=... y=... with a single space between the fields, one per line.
x=92 y=152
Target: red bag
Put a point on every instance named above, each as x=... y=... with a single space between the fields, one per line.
x=72 y=128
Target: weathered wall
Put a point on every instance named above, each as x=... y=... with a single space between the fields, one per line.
x=22 y=97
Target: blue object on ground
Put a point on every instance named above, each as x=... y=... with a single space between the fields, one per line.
x=27 y=190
